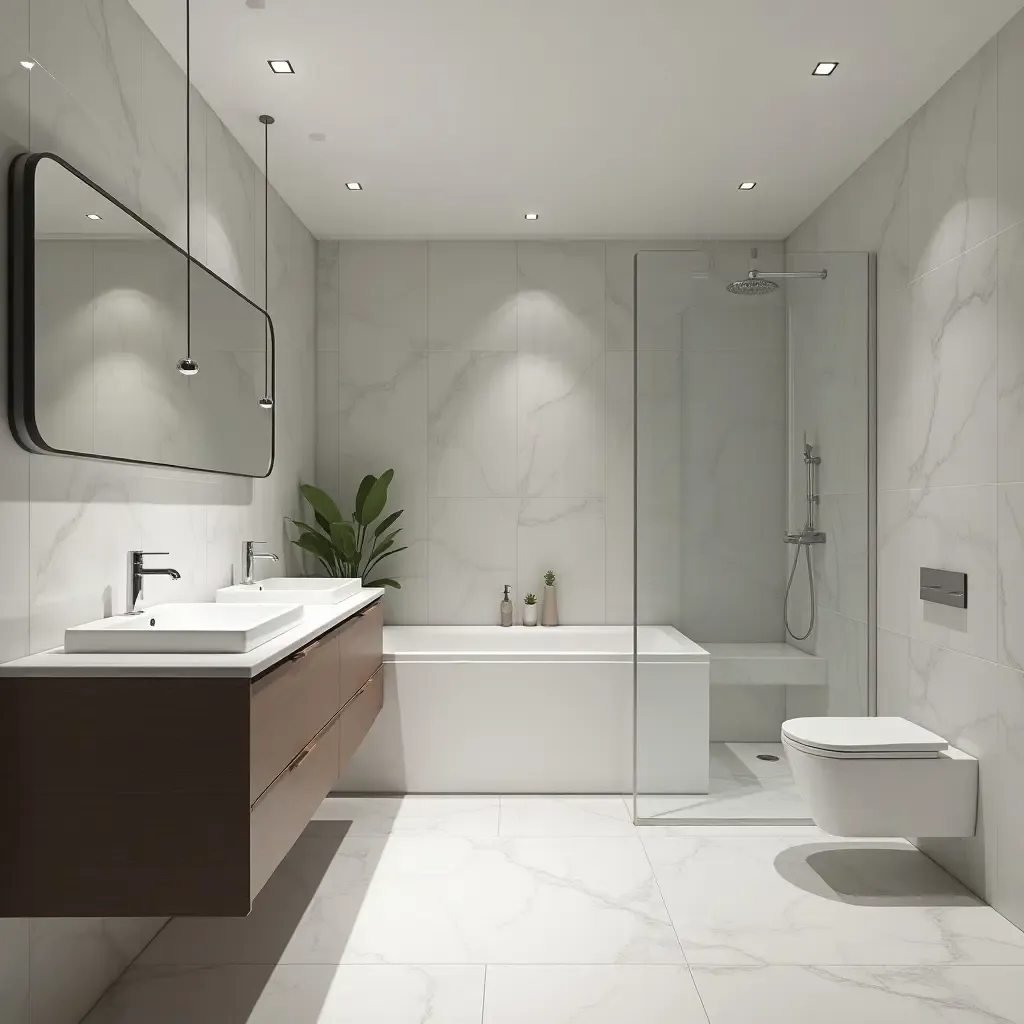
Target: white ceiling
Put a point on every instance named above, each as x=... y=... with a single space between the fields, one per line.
x=607 y=117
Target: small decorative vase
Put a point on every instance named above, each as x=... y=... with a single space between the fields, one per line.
x=550 y=616
x=529 y=615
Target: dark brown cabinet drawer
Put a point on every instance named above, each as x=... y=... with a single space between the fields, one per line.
x=357 y=717
x=285 y=809
x=289 y=705
x=362 y=649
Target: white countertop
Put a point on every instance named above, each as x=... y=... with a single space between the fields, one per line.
x=316 y=619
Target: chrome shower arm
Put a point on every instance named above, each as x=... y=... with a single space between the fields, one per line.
x=755 y=275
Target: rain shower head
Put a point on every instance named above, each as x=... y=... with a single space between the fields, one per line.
x=752 y=285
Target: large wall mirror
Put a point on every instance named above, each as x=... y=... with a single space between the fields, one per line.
x=99 y=320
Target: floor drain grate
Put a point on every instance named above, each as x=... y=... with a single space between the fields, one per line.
x=767 y=757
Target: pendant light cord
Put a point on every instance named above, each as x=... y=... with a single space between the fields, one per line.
x=188 y=179
x=266 y=256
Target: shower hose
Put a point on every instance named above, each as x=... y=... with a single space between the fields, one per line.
x=789 y=586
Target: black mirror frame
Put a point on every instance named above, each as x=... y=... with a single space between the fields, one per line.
x=21 y=364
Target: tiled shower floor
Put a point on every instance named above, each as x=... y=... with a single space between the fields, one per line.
x=742 y=786
x=522 y=910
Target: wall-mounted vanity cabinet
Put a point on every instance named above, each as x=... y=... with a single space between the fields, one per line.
x=151 y=794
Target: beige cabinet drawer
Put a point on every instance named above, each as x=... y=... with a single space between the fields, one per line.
x=357 y=717
x=285 y=809
x=361 y=647
x=289 y=705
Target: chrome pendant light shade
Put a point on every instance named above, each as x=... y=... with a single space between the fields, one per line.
x=188 y=367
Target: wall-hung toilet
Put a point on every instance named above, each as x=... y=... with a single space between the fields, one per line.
x=881 y=777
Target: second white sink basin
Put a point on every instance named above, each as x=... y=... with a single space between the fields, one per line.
x=184 y=629
x=293 y=590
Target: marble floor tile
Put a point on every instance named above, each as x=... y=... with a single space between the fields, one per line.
x=493 y=901
x=591 y=995
x=299 y=994
x=304 y=915
x=742 y=786
x=852 y=995
x=790 y=901
x=413 y=815
x=565 y=816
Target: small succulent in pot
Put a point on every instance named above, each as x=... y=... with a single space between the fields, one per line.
x=549 y=616
x=530 y=599
x=530 y=610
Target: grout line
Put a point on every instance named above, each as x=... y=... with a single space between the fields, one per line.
x=483 y=997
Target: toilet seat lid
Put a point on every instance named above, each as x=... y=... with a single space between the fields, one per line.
x=863 y=735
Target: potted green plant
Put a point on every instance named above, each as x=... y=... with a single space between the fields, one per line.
x=352 y=546
x=530 y=610
x=550 y=613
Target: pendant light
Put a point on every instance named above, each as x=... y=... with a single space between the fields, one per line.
x=188 y=366
x=267 y=401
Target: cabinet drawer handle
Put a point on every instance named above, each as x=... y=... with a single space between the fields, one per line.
x=302 y=755
x=299 y=655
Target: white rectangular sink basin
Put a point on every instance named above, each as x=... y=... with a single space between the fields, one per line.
x=293 y=590
x=184 y=629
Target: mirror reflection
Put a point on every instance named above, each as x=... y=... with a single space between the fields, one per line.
x=110 y=324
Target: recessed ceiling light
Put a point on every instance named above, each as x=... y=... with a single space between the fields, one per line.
x=353 y=186
x=28 y=65
x=746 y=186
x=94 y=216
x=281 y=67
x=825 y=67
x=533 y=216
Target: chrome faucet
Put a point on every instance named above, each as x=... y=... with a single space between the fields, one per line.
x=139 y=572
x=251 y=554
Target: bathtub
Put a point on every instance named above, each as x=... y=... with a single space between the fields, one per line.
x=481 y=709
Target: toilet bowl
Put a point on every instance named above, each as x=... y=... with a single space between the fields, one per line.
x=881 y=777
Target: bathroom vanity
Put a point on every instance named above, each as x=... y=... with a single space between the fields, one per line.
x=153 y=785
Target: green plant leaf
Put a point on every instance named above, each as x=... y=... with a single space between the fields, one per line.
x=303 y=526
x=380 y=558
x=322 y=503
x=321 y=547
x=343 y=537
x=376 y=499
x=388 y=520
x=384 y=582
x=364 y=489
x=384 y=544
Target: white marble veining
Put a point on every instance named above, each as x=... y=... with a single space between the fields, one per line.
x=1010 y=355
x=301 y=993
x=784 y=901
x=953 y=166
x=849 y=995
x=594 y=995
x=414 y=815
x=601 y=816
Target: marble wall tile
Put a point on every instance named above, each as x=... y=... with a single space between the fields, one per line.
x=1010 y=596
x=473 y=291
x=843 y=643
x=472 y=556
x=1010 y=56
x=955 y=528
x=842 y=566
x=328 y=300
x=953 y=166
x=1007 y=895
x=94 y=49
x=897 y=571
x=1010 y=355
x=568 y=536
x=869 y=212
x=893 y=674
x=14 y=79
x=953 y=336
x=957 y=697
x=61 y=123
x=895 y=390
x=230 y=210
x=383 y=294
x=471 y=448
